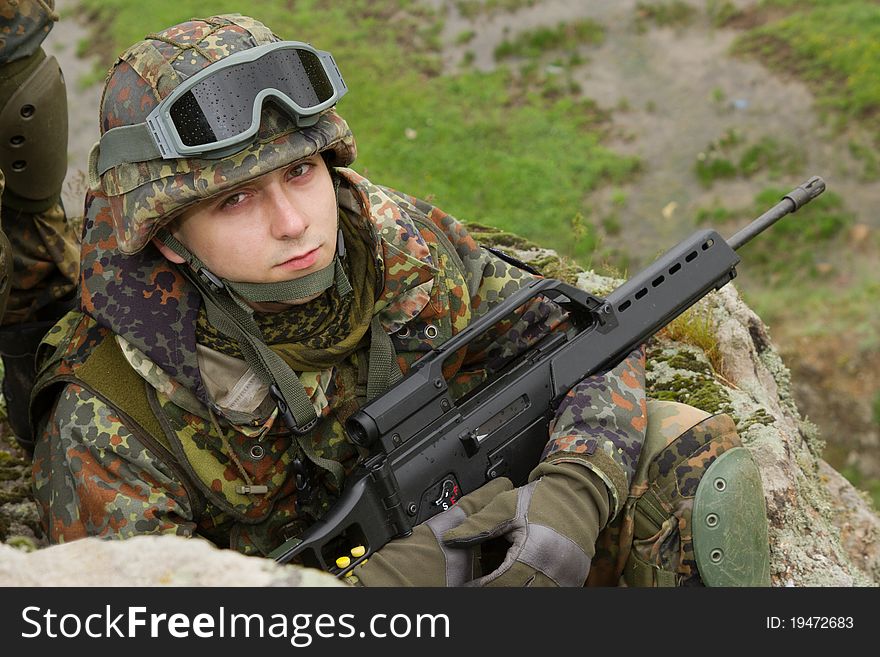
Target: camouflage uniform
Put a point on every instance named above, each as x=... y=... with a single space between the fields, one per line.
x=41 y=248
x=135 y=437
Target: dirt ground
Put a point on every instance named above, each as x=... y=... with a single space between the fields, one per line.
x=672 y=92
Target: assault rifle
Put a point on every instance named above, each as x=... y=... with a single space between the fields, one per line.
x=428 y=449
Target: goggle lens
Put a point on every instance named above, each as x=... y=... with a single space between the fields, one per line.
x=221 y=106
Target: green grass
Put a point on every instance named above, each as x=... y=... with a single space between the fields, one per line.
x=465 y=37
x=792 y=272
x=785 y=269
x=673 y=13
x=868 y=159
x=833 y=46
x=563 y=37
x=732 y=156
x=472 y=9
x=794 y=246
x=491 y=147
x=721 y=12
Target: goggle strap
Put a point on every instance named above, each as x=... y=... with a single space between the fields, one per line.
x=125 y=144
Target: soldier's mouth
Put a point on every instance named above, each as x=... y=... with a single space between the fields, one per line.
x=300 y=262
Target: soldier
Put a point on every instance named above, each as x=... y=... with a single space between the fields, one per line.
x=39 y=260
x=243 y=292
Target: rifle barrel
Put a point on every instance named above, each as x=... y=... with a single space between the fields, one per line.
x=791 y=202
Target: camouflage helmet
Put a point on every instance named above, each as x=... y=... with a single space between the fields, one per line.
x=144 y=196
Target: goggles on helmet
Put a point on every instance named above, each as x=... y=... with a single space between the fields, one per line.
x=216 y=112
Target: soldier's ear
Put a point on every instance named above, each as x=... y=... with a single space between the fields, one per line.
x=168 y=253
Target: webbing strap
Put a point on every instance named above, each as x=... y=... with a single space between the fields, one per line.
x=127 y=143
x=108 y=372
x=383 y=371
x=641 y=574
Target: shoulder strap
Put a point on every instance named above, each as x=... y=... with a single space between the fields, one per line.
x=108 y=372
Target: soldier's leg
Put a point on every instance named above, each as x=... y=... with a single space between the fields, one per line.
x=696 y=511
x=44 y=250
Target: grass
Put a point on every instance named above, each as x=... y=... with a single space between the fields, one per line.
x=868 y=159
x=673 y=13
x=472 y=9
x=564 y=37
x=721 y=12
x=518 y=153
x=794 y=269
x=732 y=156
x=696 y=327
x=465 y=37
x=833 y=46
x=793 y=248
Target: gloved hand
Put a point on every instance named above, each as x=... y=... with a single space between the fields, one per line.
x=551 y=523
x=421 y=559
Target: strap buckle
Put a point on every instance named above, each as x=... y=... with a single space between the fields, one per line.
x=287 y=414
x=210 y=278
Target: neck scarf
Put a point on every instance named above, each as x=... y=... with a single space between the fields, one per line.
x=317 y=334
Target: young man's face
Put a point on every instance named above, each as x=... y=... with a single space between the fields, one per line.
x=277 y=227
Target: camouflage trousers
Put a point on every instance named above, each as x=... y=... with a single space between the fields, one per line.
x=39 y=266
x=44 y=258
x=41 y=246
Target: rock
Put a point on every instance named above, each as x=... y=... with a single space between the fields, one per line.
x=823 y=532
x=149 y=561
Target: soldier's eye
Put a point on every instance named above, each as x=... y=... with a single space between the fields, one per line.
x=299 y=169
x=232 y=200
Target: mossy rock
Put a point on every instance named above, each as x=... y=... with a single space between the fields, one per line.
x=681 y=373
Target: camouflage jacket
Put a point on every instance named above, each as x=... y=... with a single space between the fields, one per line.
x=98 y=473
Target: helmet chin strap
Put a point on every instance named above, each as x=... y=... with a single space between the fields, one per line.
x=297 y=289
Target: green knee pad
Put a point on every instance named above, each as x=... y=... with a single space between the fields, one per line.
x=33 y=132
x=730 y=531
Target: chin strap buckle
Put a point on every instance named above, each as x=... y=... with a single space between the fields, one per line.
x=210 y=278
x=340 y=245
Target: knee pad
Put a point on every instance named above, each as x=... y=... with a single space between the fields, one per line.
x=33 y=130
x=731 y=542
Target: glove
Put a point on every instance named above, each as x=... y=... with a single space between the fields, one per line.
x=551 y=524
x=421 y=559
